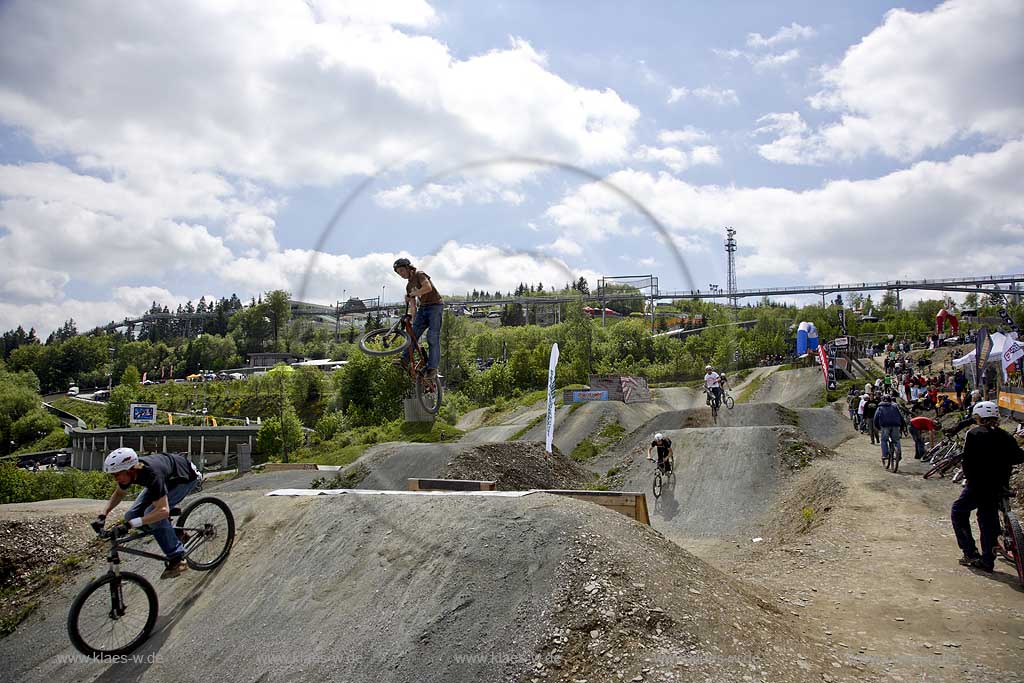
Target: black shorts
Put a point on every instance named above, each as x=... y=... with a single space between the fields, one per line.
x=664 y=464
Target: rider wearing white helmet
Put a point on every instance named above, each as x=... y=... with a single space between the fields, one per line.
x=664 y=446
x=166 y=479
x=989 y=456
x=712 y=385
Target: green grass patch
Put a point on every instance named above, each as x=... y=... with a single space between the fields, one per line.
x=530 y=425
x=751 y=388
x=612 y=431
x=789 y=416
x=95 y=415
x=584 y=450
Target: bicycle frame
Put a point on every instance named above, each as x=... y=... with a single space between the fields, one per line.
x=119 y=544
x=405 y=323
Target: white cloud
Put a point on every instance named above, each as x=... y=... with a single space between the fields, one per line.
x=48 y=315
x=719 y=96
x=455 y=269
x=565 y=246
x=785 y=34
x=686 y=135
x=69 y=225
x=679 y=160
x=335 y=89
x=434 y=195
x=792 y=145
x=969 y=212
x=773 y=61
x=923 y=80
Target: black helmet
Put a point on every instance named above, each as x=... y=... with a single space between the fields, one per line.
x=402 y=262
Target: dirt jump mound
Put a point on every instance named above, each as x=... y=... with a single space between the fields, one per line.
x=514 y=465
x=415 y=588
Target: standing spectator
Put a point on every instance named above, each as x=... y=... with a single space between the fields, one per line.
x=852 y=401
x=959 y=384
x=989 y=456
x=989 y=378
x=869 y=417
x=860 y=412
x=918 y=426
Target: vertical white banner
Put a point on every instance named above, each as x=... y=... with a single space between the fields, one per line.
x=552 y=364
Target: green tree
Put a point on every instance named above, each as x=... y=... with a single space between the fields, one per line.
x=130 y=377
x=370 y=390
x=272 y=437
x=121 y=398
x=280 y=311
x=33 y=426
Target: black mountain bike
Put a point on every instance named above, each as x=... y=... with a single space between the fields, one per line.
x=662 y=471
x=391 y=341
x=894 y=454
x=714 y=402
x=115 y=614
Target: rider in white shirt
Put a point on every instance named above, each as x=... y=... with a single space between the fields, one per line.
x=713 y=385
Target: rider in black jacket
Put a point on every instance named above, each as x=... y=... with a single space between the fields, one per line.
x=989 y=456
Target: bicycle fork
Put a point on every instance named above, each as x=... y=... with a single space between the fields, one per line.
x=117 y=606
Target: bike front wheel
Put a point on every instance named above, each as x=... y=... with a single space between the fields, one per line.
x=430 y=393
x=384 y=342
x=656 y=487
x=207 y=530
x=730 y=402
x=113 y=615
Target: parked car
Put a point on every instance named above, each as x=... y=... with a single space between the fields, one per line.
x=72 y=391
x=494 y=314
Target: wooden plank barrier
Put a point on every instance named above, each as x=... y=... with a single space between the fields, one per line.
x=416 y=484
x=629 y=503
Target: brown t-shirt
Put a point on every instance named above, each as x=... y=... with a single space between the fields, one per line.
x=417 y=280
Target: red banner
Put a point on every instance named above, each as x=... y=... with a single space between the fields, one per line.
x=823 y=357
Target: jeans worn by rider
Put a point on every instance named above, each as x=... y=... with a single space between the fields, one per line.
x=163 y=474
x=890 y=423
x=429 y=314
x=989 y=456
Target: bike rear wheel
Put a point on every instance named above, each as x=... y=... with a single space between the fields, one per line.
x=657 y=485
x=113 y=615
x=384 y=342
x=210 y=528
x=1013 y=542
x=430 y=393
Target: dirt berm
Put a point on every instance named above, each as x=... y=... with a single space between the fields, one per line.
x=415 y=588
x=514 y=465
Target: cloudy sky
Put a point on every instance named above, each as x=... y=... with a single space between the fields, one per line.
x=154 y=150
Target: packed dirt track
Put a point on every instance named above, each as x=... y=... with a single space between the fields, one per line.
x=440 y=588
x=781 y=551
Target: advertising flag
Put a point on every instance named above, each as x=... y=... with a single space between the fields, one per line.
x=1013 y=352
x=981 y=350
x=823 y=357
x=552 y=364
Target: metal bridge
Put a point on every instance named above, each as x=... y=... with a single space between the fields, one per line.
x=977 y=284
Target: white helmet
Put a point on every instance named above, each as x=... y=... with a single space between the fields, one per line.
x=120 y=460
x=985 y=409
x=659 y=436
x=708 y=367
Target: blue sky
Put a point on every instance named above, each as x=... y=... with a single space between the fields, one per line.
x=169 y=153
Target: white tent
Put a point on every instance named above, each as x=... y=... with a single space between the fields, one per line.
x=999 y=343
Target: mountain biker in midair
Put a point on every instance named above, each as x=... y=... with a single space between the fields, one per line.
x=167 y=478
x=713 y=385
x=426 y=306
x=664 y=446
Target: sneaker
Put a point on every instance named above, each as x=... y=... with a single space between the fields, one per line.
x=174 y=569
x=978 y=563
x=968 y=560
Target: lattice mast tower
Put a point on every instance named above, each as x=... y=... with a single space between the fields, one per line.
x=730 y=249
